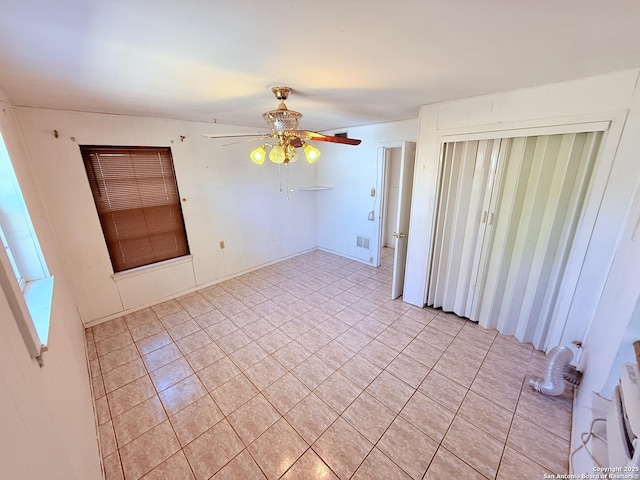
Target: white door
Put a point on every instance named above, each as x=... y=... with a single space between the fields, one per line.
x=468 y=173
x=407 y=164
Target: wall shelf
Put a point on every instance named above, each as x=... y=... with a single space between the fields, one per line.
x=315 y=188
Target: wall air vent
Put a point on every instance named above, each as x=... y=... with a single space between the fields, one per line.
x=363 y=242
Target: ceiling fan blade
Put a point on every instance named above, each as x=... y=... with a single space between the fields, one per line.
x=327 y=138
x=233 y=135
x=244 y=140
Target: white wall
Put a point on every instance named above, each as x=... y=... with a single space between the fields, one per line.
x=352 y=172
x=608 y=280
x=225 y=197
x=46 y=416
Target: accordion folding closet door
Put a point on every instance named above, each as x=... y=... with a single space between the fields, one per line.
x=506 y=217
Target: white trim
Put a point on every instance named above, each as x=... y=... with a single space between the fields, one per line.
x=544 y=126
x=135 y=272
x=527 y=132
x=340 y=254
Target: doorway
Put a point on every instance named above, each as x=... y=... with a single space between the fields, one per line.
x=393 y=161
x=397 y=184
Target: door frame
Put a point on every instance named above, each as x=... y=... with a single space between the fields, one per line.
x=384 y=198
x=383 y=165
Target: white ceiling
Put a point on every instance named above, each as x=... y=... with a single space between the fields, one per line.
x=350 y=62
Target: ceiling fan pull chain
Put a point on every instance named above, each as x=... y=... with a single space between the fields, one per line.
x=288 y=180
x=291 y=176
x=280 y=176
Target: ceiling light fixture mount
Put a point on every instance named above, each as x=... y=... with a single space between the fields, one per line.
x=281 y=93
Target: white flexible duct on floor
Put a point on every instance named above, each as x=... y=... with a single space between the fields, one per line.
x=553 y=382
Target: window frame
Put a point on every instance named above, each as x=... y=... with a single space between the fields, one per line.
x=12 y=260
x=163 y=223
x=24 y=275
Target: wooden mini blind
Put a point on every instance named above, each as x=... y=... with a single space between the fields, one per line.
x=137 y=199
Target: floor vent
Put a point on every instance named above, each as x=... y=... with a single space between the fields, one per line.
x=363 y=242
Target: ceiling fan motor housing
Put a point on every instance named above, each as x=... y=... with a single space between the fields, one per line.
x=282 y=119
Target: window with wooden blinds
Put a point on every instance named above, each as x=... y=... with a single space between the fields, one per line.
x=137 y=199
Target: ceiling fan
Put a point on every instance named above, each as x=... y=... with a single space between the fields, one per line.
x=284 y=133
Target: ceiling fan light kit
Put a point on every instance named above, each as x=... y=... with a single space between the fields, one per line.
x=278 y=155
x=310 y=152
x=259 y=154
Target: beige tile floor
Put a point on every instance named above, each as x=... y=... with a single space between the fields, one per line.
x=305 y=369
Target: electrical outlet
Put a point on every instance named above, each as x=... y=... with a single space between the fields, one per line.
x=221 y=244
x=371 y=216
x=373 y=192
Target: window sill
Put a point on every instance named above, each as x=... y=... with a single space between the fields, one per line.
x=134 y=272
x=38 y=295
